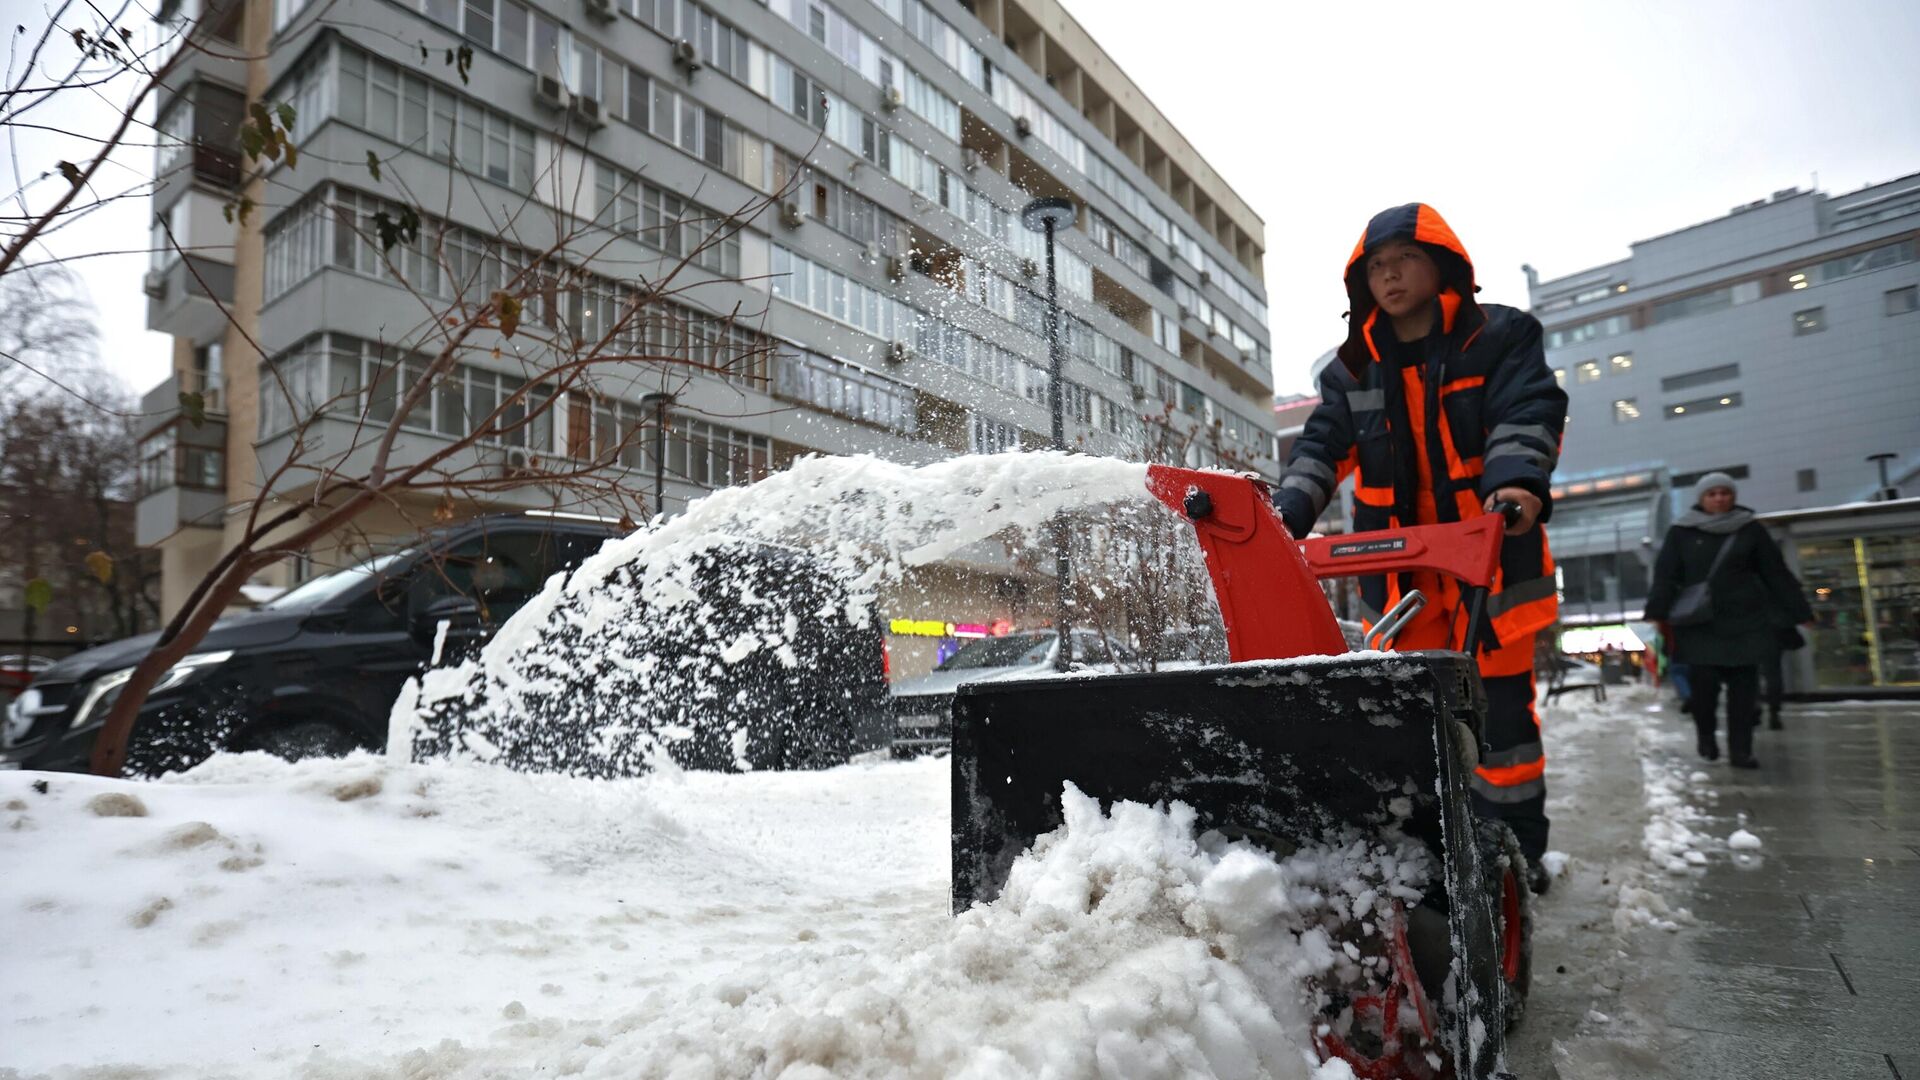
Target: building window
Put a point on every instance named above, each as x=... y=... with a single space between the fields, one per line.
x=1587 y=371
x=1606 y=327
x=1810 y=321
x=1808 y=479
x=1626 y=410
x=1560 y=377
x=1745 y=292
x=1901 y=301
x=1690 y=379
x=1704 y=405
x=1619 y=363
x=988 y=436
x=1860 y=262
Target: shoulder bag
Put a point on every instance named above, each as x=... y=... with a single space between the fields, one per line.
x=1694 y=605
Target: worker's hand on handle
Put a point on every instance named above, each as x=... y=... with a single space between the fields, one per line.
x=1527 y=501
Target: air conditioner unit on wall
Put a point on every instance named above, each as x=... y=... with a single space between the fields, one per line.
x=1139 y=392
x=588 y=111
x=891 y=98
x=899 y=352
x=1022 y=126
x=548 y=90
x=601 y=9
x=686 y=55
x=1206 y=277
x=897 y=268
x=969 y=159
x=154 y=284
x=790 y=215
x=1029 y=268
x=518 y=461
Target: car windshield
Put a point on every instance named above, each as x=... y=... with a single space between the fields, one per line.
x=328 y=586
x=1010 y=651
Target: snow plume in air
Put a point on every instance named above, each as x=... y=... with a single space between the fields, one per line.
x=679 y=644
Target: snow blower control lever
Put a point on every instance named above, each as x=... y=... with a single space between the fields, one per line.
x=1268 y=583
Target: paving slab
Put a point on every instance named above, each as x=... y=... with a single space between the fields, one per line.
x=1803 y=960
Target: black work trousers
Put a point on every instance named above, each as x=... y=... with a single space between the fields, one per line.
x=1511 y=785
x=1743 y=698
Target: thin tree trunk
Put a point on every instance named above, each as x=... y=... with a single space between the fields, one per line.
x=110 y=748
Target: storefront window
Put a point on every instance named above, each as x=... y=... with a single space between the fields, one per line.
x=1865 y=592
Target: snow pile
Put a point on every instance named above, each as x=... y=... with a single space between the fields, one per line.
x=354 y=918
x=1669 y=837
x=1555 y=863
x=707 y=636
x=1641 y=906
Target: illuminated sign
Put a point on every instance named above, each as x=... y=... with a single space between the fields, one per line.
x=1593 y=639
x=938 y=628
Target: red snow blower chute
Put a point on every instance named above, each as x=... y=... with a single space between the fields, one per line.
x=1310 y=746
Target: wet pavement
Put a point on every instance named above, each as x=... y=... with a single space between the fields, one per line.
x=1802 y=959
x=1812 y=944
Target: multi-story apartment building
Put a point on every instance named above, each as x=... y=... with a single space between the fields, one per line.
x=1779 y=344
x=901 y=296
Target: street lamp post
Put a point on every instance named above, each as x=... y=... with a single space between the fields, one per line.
x=1044 y=215
x=1885 y=493
x=659 y=402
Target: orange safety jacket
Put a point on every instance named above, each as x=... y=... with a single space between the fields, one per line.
x=1430 y=442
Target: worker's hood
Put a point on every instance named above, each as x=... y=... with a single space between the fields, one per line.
x=1422 y=225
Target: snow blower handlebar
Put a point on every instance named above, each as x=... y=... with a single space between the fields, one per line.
x=1268 y=583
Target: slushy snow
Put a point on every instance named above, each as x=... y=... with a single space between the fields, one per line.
x=353 y=918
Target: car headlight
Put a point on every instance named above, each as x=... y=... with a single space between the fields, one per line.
x=20 y=713
x=105 y=690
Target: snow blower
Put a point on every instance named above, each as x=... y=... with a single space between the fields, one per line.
x=1291 y=744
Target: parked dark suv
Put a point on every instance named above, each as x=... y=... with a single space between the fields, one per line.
x=314 y=672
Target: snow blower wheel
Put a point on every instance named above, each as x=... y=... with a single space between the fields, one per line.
x=1505 y=869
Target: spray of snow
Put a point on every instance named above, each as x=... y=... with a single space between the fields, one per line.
x=689 y=639
x=866 y=517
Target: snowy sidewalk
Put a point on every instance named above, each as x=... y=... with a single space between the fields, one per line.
x=1794 y=897
x=350 y=919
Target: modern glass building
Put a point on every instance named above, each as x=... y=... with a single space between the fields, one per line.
x=1779 y=344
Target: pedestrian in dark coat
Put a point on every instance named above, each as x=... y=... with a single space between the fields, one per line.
x=1749 y=586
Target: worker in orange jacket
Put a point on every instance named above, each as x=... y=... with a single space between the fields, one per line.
x=1445 y=407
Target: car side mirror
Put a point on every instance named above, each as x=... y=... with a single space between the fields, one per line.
x=459 y=612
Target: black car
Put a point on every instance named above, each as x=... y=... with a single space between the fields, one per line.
x=313 y=672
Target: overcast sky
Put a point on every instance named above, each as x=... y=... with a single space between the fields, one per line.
x=1553 y=134
x=1546 y=133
